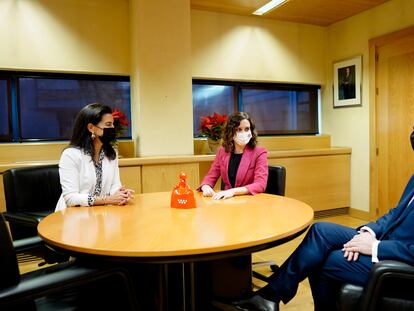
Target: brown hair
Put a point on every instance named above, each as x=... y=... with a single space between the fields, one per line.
x=230 y=129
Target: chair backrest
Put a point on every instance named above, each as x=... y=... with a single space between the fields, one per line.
x=32 y=189
x=276 y=182
x=9 y=269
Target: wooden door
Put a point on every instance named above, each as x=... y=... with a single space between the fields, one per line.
x=394 y=76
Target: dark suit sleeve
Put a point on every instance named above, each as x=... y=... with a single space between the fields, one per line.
x=381 y=224
x=396 y=250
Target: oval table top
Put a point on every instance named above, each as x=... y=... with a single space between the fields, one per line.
x=149 y=227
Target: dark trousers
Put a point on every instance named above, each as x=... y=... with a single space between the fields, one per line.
x=320 y=258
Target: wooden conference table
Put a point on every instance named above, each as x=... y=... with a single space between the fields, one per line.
x=149 y=231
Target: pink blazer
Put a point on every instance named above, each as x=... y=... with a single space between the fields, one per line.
x=252 y=172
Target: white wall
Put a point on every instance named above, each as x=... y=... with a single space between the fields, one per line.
x=65 y=35
x=161 y=77
x=228 y=46
x=350 y=126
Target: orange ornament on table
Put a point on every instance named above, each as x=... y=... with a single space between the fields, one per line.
x=182 y=196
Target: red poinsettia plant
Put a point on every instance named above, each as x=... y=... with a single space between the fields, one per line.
x=120 y=122
x=212 y=126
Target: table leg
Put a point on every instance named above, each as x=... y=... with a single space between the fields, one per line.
x=183 y=287
x=163 y=287
x=188 y=286
x=192 y=285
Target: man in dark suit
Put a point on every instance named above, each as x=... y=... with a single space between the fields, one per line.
x=347 y=83
x=332 y=254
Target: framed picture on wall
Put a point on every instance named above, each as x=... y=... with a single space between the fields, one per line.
x=347 y=82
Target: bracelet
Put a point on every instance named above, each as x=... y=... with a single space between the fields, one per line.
x=91 y=199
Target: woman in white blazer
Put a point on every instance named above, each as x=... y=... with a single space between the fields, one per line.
x=88 y=167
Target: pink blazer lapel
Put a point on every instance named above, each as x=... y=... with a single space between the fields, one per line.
x=226 y=161
x=244 y=166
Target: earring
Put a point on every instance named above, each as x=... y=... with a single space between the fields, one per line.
x=93 y=135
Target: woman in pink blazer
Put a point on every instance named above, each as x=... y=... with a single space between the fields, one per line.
x=241 y=164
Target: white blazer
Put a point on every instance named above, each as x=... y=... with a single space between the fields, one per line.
x=78 y=178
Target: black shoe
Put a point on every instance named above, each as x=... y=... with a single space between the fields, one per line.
x=254 y=303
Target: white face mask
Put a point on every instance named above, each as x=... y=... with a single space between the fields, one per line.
x=243 y=138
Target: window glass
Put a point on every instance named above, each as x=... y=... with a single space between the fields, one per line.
x=4 y=111
x=48 y=106
x=276 y=109
x=282 y=111
x=210 y=98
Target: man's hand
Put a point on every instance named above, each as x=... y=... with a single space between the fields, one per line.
x=359 y=244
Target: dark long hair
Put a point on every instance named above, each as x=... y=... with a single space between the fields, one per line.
x=81 y=137
x=230 y=129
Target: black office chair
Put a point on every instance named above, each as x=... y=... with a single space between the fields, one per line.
x=276 y=181
x=276 y=184
x=67 y=286
x=390 y=287
x=31 y=194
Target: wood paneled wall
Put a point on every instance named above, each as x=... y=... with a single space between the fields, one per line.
x=323 y=182
x=163 y=177
x=319 y=176
x=277 y=143
x=33 y=152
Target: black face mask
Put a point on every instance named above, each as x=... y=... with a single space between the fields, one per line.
x=412 y=140
x=108 y=135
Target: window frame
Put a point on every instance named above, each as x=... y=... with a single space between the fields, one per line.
x=15 y=124
x=9 y=110
x=271 y=86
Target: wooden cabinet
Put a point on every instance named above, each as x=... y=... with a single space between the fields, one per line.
x=318 y=177
x=163 y=177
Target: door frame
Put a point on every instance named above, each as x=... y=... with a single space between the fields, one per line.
x=374 y=44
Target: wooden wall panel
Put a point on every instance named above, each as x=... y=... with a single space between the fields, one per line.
x=319 y=177
x=323 y=182
x=30 y=152
x=164 y=177
x=277 y=143
x=131 y=177
x=295 y=142
x=2 y=199
x=204 y=168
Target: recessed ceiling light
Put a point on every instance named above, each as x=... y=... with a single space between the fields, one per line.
x=269 y=6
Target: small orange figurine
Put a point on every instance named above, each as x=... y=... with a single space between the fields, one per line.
x=182 y=196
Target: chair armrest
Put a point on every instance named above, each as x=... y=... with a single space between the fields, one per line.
x=349 y=297
x=388 y=277
x=22 y=218
x=23 y=245
x=57 y=279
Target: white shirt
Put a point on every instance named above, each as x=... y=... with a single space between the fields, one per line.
x=78 y=178
x=374 y=249
x=374 y=257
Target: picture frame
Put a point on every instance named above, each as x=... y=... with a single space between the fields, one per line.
x=347 y=82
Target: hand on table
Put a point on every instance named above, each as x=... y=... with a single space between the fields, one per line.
x=223 y=194
x=122 y=196
x=129 y=192
x=207 y=191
